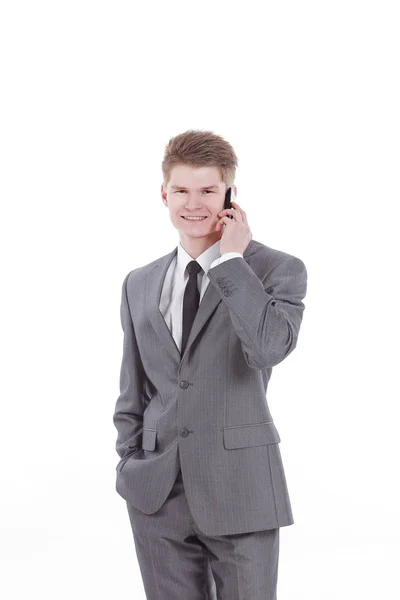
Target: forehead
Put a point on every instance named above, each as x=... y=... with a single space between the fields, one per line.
x=194 y=177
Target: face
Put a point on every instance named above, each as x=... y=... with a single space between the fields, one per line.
x=195 y=191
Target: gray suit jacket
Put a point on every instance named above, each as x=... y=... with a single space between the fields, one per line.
x=206 y=411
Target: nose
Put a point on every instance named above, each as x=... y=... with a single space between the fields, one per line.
x=194 y=202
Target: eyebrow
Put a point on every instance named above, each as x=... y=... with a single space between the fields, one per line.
x=182 y=187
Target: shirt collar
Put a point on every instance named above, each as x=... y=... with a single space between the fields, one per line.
x=205 y=259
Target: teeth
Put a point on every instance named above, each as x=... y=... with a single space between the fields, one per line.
x=195 y=218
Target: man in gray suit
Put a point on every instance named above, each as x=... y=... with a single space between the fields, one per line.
x=200 y=466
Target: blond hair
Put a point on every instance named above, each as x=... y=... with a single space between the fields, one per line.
x=199 y=148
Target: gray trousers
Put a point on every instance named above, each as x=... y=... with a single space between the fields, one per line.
x=178 y=561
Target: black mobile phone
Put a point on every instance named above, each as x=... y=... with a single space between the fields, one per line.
x=228 y=196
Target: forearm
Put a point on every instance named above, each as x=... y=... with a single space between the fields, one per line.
x=129 y=408
x=266 y=315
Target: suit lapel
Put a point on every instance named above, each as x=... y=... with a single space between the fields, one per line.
x=208 y=304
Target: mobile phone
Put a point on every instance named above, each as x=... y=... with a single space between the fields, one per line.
x=230 y=195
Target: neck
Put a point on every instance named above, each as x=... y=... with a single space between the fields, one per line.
x=196 y=246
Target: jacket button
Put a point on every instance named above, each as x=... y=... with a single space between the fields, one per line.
x=184 y=384
x=226 y=293
x=184 y=432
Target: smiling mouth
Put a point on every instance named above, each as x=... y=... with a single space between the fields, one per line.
x=193 y=218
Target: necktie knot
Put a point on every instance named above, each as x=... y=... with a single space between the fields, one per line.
x=193 y=267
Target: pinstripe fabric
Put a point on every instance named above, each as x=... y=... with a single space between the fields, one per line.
x=177 y=560
x=210 y=404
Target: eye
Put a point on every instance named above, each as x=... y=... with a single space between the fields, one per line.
x=207 y=191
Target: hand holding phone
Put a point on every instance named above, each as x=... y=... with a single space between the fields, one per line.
x=236 y=239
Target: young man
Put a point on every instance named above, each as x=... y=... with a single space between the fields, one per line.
x=200 y=466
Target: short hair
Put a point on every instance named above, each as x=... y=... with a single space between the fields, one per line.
x=199 y=148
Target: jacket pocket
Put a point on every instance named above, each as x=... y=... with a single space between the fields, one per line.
x=254 y=434
x=125 y=459
x=149 y=437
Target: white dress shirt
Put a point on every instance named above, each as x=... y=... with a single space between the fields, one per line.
x=171 y=301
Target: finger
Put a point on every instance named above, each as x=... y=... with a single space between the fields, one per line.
x=234 y=212
x=237 y=214
x=225 y=210
x=237 y=207
x=224 y=220
x=242 y=212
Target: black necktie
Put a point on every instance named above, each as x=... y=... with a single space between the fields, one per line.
x=190 y=301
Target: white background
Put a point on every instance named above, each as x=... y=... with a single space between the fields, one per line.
x=308 y=95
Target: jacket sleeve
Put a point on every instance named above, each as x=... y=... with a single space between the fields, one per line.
x=266 y=314
x=128 y=414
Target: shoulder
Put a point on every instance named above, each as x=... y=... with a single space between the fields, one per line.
x=138 y=276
